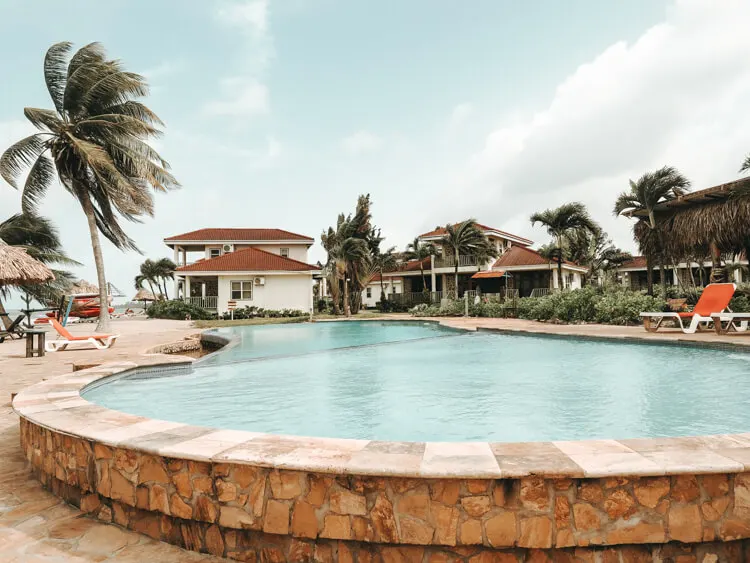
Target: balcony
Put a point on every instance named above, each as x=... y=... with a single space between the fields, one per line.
x=450 y=261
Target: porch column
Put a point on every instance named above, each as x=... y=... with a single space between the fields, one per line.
x=184 y=257
x=176 y=255
x=433 y=277
x=555 y=281
x=187 y=288
x=323 y=287
x=203 y=290
x=176 y=286
x=675 y=277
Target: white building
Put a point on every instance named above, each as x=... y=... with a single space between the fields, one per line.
x=371 y=293
x=254 y=267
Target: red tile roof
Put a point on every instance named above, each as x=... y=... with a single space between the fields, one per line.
x=412 y=266
x=376 y=278
x=488 y=274
x=248 y=260
x=522 y=256
x=636 y=262
x=221 y=235
x=439 y=231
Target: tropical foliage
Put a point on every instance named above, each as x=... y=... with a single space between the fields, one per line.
x=466 y=239
x=42 y=241
x=418 y=250
x=177 y=310
x=651 y=189
x=383 y=261
x=94 y=142
x=351 y=247
x=155 y=274
x=563 y=223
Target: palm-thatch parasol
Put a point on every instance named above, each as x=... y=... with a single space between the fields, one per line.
x=82 y=286
x=144 y=295
x=18 y=268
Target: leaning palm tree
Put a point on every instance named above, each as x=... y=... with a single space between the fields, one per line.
x=644 y=195
x=418 y=250
x=383 y=261
x=562 y=222
x=746 y=164
x=41 y=240
x=95 y=143
x=149 y=273
x=165 y=268
x=466 y=238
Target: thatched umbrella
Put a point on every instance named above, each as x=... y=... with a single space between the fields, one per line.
x=18 y=268
x=82 y=286
x=144 y=295
x=713 y=222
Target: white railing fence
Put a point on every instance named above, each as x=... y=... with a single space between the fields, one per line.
x=208 y=302
x=450 y=261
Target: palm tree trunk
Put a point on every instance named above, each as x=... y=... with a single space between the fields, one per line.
x=382 y=293
x=5 y=320
x=559 y=264
x=166 y=295
x=88 y=209
x=347 y=305
x=455 y=289
x=662 y=275
x=424 y=280
x=717 y=271
x=649 y=274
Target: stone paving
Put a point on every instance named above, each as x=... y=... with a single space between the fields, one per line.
x=37 y=527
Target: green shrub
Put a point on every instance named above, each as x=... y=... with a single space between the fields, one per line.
x=177 y=310
x=259 y=312
x=490 y=309
x=624 y=307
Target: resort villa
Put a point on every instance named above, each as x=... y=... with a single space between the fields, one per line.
x=251 y=267
x=634 y=273
x=517 y=267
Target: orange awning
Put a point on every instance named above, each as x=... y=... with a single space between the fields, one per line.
x=488 y=274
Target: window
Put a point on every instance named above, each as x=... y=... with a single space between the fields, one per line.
x=214 y=252
x=284 y=252
x=369 y=292
x=569 y=280
x=242 y=290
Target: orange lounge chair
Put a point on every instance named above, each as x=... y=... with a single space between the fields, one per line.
x=101 y=341
x=714 y=299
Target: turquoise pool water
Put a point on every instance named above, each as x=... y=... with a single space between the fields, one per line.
x=416 y=382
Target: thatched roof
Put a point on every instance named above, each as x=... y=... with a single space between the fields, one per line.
x=143 y=295
x=17 y=267
x=82 y=286
x=690 y=224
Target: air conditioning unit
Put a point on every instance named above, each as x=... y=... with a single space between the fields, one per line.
x=260 y=281
x=227 y=248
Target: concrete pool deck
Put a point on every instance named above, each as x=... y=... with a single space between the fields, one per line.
x=30 y=516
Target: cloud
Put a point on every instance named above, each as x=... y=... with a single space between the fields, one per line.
x=361 y=142
x=274 y=148
x=678 y=95
x=243 y=97
x=461 y=113
x=166 y=68
x=252 y=15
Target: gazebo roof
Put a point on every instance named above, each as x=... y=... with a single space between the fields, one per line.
x=719 y=193
x=17 y=267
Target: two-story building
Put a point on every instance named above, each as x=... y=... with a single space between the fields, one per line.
x=265 y=268
x=517 y=267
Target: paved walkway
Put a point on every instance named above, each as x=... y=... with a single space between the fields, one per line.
x=36 y=527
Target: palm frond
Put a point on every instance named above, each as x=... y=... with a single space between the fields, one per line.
x=21 y=155
x=746 y=164
x=56 y=72
x=43 y=119
x=40 y=176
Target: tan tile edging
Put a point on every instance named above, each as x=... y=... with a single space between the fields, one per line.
x=539 y=495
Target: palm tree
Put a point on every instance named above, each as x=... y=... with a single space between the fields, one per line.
x=96 y=140
x=467 y=239
x=384 y=262
x=746 y=164
x=166 y=268
x=150 y=272
x=42 y=241
x=562 y=222
x=418 y=250
x=651 y=189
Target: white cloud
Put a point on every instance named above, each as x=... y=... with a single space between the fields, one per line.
x=166 y=68
x=461 y=113
x=274 y=148
x=361 y=142
x=243 y=97
x=678 y=96
x=252 y=14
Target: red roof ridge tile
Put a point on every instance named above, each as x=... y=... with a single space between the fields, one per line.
x=220 y=233
x=226 y=263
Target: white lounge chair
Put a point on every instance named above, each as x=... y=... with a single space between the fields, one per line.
x=725 y=323
x=714 y=299
x=100 y=341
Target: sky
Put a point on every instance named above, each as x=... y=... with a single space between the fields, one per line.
x=279 y=113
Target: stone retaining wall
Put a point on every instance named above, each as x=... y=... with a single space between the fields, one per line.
x=256 y=513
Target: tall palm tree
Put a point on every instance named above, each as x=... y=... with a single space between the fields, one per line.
x=166 y=268
x=384 y=262
x=149 y=273
x=96 y=141
x=42 y=241
x=562 y=222
x=418 y=250
x=651 y=189
x=467 y=239
x=746 y=164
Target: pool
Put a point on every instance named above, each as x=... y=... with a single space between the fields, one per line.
x=417 y=381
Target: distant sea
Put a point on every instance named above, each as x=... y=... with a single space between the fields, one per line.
x=119 y=308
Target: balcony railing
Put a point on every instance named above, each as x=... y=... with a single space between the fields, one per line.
x=207 y=302
x=540 y=292
x=450 y=261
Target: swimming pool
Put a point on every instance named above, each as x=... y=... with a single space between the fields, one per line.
x=422 y=382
